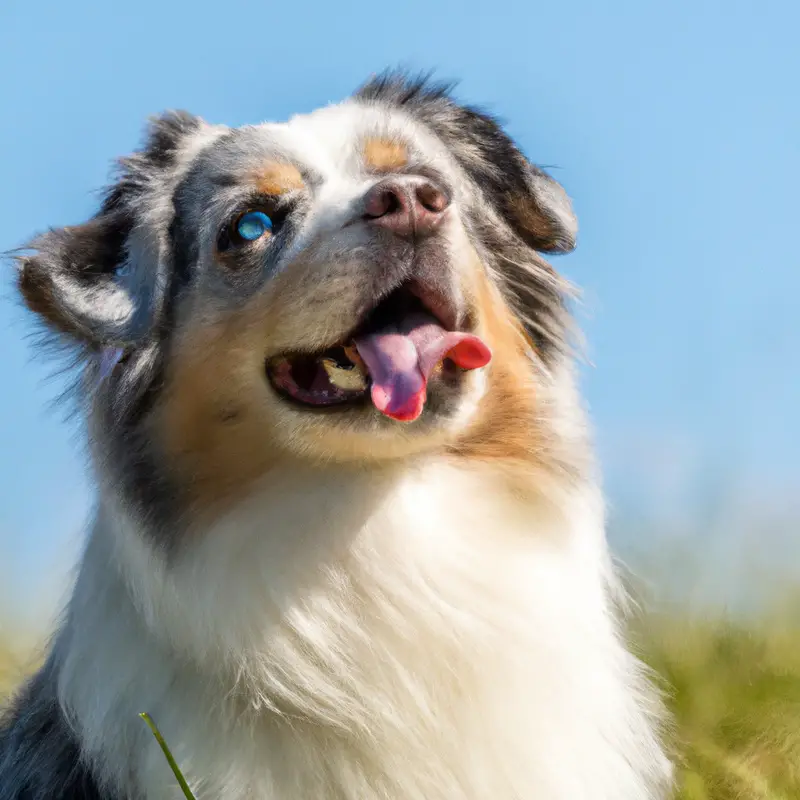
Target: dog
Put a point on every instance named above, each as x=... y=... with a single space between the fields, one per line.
x=349 y=531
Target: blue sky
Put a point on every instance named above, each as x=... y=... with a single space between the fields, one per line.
x=674 y=125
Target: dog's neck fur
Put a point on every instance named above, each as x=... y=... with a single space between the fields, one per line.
x=429 y=632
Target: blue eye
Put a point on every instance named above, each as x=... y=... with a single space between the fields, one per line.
x=253 y=225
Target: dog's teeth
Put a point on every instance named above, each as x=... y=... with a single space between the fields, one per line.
x=352 y=353
x=349 y=379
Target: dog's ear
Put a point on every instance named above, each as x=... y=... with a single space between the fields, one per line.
x=535 y=206
x=102 y=282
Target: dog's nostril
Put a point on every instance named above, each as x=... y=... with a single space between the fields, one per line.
x=393 y=202
x=432 y=198
x=382 y=201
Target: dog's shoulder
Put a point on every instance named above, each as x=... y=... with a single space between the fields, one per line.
x=39 y=755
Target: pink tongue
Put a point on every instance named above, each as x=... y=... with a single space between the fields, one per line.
x=400 y=360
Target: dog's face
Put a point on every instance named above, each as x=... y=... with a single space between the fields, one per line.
x=357 y=284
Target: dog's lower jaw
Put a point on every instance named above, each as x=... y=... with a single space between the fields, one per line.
x=444 y=639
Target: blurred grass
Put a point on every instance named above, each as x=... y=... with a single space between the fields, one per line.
x=733 y=686
x=734 y=689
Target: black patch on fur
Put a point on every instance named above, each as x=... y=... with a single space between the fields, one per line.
x=134 y=391
x=69 y=269
x=68 y=277
x=39 y=755
x=130 y=458
x=162 y=144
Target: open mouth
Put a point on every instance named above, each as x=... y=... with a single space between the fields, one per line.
x=388 y=361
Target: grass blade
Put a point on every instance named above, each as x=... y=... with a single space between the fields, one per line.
x=168 y=755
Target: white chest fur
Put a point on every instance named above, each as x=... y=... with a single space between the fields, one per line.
x=424 y=635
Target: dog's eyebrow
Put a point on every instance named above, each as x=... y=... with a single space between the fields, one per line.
x=384 y=154
x=278 y=177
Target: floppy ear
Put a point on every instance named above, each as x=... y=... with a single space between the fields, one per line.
x=102 y=282
x=535 y=206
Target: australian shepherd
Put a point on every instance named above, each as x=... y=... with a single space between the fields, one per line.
x=348 y=541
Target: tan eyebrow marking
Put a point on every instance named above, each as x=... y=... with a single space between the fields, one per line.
x=385 y=155
x=278 y=178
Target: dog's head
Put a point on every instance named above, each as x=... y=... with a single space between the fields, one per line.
x=357 y=284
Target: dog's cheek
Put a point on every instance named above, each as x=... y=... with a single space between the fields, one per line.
x=506 y=424
x=215 y=418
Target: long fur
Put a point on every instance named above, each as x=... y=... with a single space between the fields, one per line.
x=434 y=618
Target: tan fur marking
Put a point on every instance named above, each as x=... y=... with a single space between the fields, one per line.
x=278 y=178
x=213 y=423
x=385 y=155
x=222 y=429
x=506 y=426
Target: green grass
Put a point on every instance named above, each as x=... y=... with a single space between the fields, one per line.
x=733 y=687
x=734 y=690
x=173 y=765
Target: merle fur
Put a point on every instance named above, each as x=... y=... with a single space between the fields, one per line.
x=39 y=754
x=69 y=275
x=69 y=280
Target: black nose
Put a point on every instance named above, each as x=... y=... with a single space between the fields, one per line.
x=406 y=206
